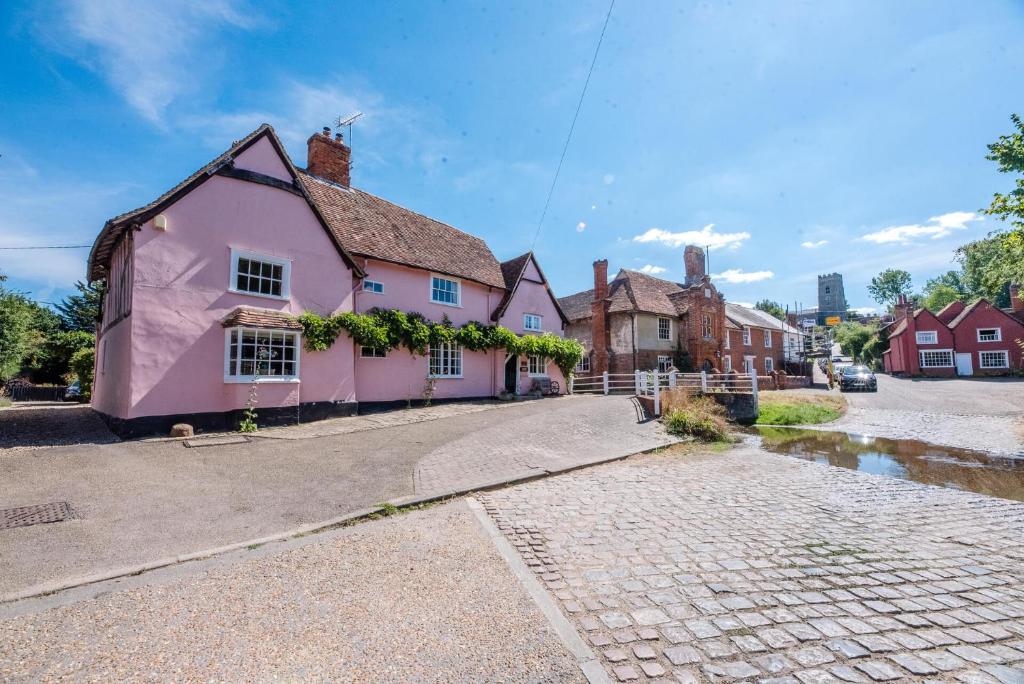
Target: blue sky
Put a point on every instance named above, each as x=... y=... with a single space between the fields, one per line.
x=796 y=138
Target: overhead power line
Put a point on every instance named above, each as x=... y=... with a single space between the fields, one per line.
x=51 y=247
x=572 y=127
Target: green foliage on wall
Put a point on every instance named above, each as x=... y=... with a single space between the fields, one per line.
x=388 y=329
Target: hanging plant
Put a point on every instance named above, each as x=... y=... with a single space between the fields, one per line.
x=388 y=329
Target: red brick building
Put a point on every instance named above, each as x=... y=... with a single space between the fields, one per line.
x=639 y=322
x=964 y=340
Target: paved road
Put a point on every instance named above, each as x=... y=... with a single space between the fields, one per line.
x=137 y=502
x=748 y=566
x=982 y=414
x=422 y=597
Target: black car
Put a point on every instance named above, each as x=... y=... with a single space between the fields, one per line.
x=858 y=377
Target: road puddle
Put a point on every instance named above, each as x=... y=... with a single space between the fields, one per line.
x=905 y=459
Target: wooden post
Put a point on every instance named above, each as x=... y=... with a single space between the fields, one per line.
x=753 y=388
x=572 y=378
x=704 y=382
x=636 y=382
x=672 y=380
x=657 y=395
x=606 y=382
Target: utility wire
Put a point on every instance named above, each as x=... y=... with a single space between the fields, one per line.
x=51 y=247
x=572 y=127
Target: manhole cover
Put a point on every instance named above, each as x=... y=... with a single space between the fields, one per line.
x=34 y=515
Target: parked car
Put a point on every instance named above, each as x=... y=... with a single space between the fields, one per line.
x=73 y=392
x=858 y=377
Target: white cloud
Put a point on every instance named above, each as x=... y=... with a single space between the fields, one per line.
x=151 y=52
x=807 y=244
x=652 y=270
x=934 y=228
x=865 y=310
x=705 y=237
x=737 y=275
x=580 y=227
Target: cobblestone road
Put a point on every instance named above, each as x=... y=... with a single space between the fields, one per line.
x=747 y=566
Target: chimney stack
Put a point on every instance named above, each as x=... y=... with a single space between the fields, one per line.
x=1016 y=301
x=599 y=318
x=693 y=259
x=329 y=159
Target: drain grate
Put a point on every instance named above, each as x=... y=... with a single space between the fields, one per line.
x=34 y=515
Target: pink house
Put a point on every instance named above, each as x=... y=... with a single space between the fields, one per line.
x=219 y=267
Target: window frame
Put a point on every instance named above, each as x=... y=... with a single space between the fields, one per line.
x=922 y=352
x=668 y=328
x=449 y=349
x=283 y=262
x=531 y=361
x=377 y=353
x=749 y=363
x=458 y=290
x=584 y=365
x=373 y=284
x=248 y=379
x=664 y=363
x=1002 y=352
x=540 y=322
x=767 y=339
x=726 y=364
x=707 y=326
x=934 y=337
x=997 y=338
x=747 y=336
x=769 y=364
x=727 y=343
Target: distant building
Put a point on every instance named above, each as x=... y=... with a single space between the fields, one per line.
x=831 y=297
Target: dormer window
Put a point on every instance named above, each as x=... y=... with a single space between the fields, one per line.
x=260 y=275
x=927 y=337
x=532 y=322
x=990 y=334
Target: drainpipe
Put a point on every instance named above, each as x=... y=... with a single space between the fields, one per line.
x=632 y=325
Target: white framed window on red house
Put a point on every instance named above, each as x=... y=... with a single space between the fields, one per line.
x=936 y=358
x=994 y=359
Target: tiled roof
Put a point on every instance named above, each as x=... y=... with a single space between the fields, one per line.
x=261 y=318
x=965 y=313
x=899 y=329
x=754 y=318
x=512 y=271
x=577 y=306
x=513 y=268
x=646 y=293
x=372 y=227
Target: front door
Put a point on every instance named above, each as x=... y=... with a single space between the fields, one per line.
x=964 y=365
x=511 y=373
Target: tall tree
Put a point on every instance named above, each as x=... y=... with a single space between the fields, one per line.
x=16 y=333
x=773 y=308
x=887 y=286
x=983 y=277
x=944 y=289
x=81 y=311
x=1008 y=256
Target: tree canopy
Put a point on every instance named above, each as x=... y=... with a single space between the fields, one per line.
x=774 y=308
x=81 y=311
x=1007 y=251
x=887 y=286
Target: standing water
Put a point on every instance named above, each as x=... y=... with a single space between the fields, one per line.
x=905 y=459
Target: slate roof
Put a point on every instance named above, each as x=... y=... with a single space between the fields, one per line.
x=261 y=318
x=373 y=227
x=754 y=318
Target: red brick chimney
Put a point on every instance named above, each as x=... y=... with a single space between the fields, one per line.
x=327 y=158
x=1016 y=301
x=693 y=260
x=599 y=317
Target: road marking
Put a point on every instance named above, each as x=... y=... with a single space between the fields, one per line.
x=588 y=662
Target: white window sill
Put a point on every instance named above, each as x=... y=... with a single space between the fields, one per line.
x=537 y=375
x=454 y=306
x=261 y=380
x=280 y=298
x=445 y=377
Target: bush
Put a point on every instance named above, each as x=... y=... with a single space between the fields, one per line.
x=691 y=416
x=82 y=363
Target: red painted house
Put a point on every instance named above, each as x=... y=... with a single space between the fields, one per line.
x=976 y=339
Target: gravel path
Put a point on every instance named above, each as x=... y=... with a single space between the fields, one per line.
x=422 y=597
x=34 y=425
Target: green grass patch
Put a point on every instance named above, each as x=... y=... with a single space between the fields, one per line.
x=4 y=402
x=775 y=409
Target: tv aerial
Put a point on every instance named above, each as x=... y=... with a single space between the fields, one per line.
x=347 y=121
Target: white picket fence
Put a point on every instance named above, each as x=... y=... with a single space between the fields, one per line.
x=651 y=383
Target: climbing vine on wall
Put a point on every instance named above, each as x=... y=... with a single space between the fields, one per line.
x=388 y=329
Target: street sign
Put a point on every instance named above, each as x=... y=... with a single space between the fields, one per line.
x=833 y=320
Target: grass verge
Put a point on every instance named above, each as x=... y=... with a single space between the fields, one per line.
x=780 y=408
